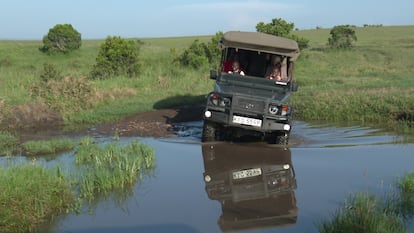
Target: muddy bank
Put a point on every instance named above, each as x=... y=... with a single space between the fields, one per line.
x=29 y=125
x=156 y=123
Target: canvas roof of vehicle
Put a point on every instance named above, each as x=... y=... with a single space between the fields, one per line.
x=261 y=42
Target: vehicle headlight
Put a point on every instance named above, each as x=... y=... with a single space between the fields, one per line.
x=273 y=109
x=218 y=100
x=281 y=110
x=214 y=99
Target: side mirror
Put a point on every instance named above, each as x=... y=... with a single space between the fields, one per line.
x=294 y=86
x=213 y=74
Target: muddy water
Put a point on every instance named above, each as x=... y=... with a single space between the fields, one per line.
x=253 y=187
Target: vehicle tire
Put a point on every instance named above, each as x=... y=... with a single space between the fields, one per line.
x=209 y=132
x=280 y=138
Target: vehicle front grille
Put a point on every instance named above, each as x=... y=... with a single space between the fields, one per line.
x=249 y=105
x=248 y=192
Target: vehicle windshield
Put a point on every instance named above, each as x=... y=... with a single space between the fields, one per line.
x=257 y=64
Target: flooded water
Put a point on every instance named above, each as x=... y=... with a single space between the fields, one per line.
x=251 y=187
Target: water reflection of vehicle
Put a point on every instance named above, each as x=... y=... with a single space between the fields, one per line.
x=254 y=184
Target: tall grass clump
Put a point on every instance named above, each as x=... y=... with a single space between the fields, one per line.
x=8 y=143
x=29 y=195
x=406 y=183
x=45 y=147
x=364 y=213
x=112 y=167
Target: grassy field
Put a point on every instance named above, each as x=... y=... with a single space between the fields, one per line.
x=370 y=84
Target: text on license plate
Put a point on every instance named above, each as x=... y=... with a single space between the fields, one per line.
x=247 y=121
x=247 y=173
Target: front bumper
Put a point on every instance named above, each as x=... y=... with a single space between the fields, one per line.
x=268 y=124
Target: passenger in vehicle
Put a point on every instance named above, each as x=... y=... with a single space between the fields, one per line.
x=275 y=74
x=236 y=69
x=227 y=66
x=275 y=62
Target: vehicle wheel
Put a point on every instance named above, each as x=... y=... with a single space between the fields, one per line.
x=209 y=132
x=281 y=138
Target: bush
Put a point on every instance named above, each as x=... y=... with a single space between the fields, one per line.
x=342 y=36
x=116 y=57
x=62 y=38
x=50 y=73
x=200 y=54
x=63 y=94
x=279 y=27
x=195 y=56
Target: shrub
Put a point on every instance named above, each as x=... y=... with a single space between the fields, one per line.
x=63 y=94
x=280 y=27
x=50 y=73
x=342 y=36
x=62 y=38
x=201 y=54
x=195 y=56
x=117 y=56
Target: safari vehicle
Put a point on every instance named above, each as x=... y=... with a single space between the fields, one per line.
x=250 y=103
x=255 y=184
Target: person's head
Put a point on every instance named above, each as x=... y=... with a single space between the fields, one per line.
x=236 y=66
x=276 y=60
x=275 y=71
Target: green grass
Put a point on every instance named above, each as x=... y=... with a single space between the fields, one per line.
x=45 y=147
x=8 y=143
x=30 y=194
x=364 y=213
x=370 y=84
x=105 y=169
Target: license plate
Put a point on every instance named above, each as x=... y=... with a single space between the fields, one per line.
x=247 y=121
x=247 y=173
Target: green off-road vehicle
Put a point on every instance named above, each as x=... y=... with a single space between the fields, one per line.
x=253 y=100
